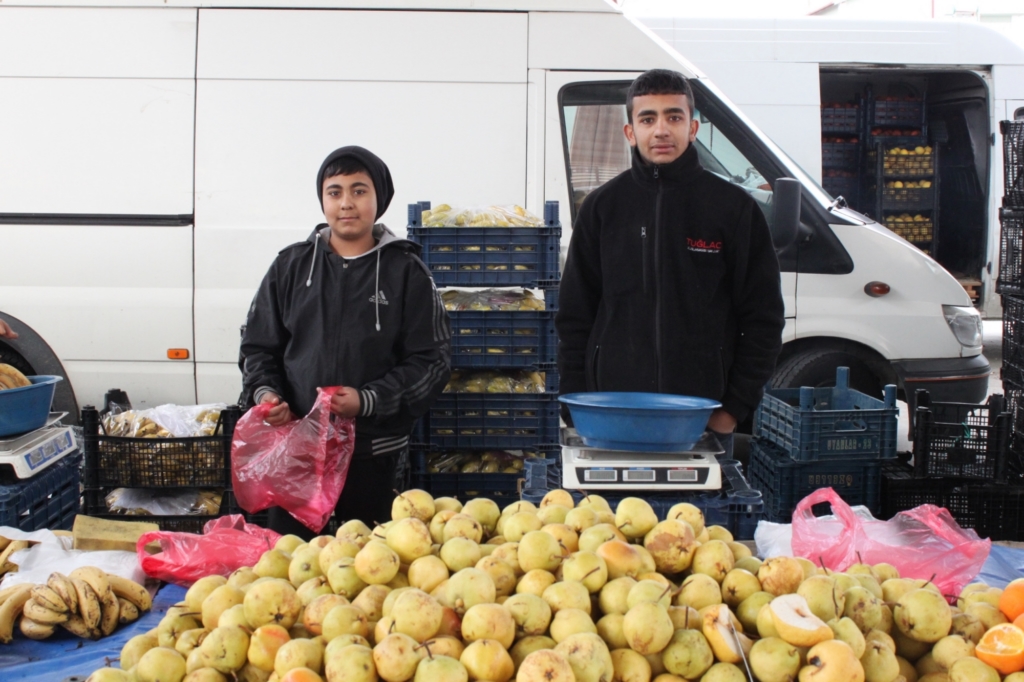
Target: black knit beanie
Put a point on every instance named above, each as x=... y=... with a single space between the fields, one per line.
x=378 y=170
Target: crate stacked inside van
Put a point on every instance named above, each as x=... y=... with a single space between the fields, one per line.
x=809 y=438
x=497 y=270
x=902 y=167
x=842 y=131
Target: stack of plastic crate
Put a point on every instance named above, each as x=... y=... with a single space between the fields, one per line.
x=163 y=465
x=842 y=132
x=499 y=341
x=963 y=462
x=809 y=438
x=1010 y=282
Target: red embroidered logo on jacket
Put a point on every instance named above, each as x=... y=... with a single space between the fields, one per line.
x=701 y=246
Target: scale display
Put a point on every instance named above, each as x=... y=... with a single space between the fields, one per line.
x=587 y=468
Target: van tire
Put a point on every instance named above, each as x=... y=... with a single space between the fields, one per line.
x=816 y=367
x=9 y=356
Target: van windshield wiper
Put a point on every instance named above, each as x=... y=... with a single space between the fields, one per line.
x=839 y=202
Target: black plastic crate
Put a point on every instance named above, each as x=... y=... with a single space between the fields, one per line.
x=902 y=491
x=95 y=505
x=843 y=119
x=961 y=440
x=840 y=154
x=489 y=256
x=503 y=339
x=784 y=481
x=829 y=423
x=998 y=511
x=898 y=113
x=908 y=198
x=50 y=499
x=1013 y=163
x=736 y=507
x=199 y=462
x=1011 y=254
x=500 y=421
x=847 y=187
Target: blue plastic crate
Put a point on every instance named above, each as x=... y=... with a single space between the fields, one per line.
x=829 y=423
x=50 y=499
x=783 y=481
x=499 y=421
x=736 y=507
x=503 y=338
x=489 y=256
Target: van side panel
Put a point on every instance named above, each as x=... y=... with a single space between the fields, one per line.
x=98 y=119
x=441 y=97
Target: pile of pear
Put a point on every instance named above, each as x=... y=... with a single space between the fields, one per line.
x=560 y=592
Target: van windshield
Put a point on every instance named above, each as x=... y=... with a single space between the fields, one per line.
x=594 y=113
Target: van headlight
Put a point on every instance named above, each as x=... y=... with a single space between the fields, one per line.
x=965 y=323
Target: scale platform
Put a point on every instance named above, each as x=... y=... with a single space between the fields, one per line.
x=29 y=453
x=588 y=468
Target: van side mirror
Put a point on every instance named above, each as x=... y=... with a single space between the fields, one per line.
x=786 y=206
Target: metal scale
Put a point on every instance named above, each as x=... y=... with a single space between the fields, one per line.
x=25 y=455
x=589 y=468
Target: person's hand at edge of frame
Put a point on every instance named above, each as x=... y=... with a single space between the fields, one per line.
x=346 y=403
x=280 y=414
x=6 y=332
x=722 y=422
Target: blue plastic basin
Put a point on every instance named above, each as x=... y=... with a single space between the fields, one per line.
x=26 y=408
x=643 y=422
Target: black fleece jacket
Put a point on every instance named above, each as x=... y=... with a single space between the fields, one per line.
x=671 y=285
x=375 y=322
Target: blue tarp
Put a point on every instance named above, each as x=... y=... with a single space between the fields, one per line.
x=65 y=655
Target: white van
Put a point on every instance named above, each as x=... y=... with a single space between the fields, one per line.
x=156 y=158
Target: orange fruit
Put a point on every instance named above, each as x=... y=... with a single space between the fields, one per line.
x=1011 y=602
x=1019 y=621
x=1002 y=647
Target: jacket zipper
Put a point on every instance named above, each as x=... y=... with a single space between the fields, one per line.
x=643 y=255
x=657 y=297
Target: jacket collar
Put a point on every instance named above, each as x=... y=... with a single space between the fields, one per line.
x=381 y=232
x=683 y=170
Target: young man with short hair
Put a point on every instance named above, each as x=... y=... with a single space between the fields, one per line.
x=351 y=306
x=671 y=284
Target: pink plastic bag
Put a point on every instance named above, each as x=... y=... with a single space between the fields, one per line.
x=921 y=543
x=227 y=544
x=300 y=466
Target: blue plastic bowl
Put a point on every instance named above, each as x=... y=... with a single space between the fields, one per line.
x=26 y=409
x=642 y=422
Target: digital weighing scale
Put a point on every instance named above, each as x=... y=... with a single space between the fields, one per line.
x=589 y=468
x=29 y=453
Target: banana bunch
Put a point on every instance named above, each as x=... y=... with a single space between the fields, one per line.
x=88 y=603
x=12 y=378
x=489 y=216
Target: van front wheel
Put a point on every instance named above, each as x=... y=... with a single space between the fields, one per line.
x=816 y=367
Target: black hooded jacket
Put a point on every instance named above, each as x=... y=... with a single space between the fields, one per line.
x=671 y=285
x=374 y=322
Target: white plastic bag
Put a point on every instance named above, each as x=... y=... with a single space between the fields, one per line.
x=36 y=563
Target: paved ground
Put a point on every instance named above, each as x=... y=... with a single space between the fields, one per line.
x=993 y=340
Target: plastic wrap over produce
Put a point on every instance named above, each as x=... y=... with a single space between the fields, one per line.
x=157 y=502
x=164 y=421
x=495 y=382
x=491 y=299
x=444 y=215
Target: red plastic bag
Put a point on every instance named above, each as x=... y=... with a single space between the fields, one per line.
x=227 y=544
x=921 y=543
x=300 y=466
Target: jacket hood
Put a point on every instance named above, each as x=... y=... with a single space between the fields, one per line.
x=378 y=170
x=684 y=169
x=382 y=234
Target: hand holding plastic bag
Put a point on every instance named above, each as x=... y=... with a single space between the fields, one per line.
x=227 y=544
x=300 y=466
x=924 y=542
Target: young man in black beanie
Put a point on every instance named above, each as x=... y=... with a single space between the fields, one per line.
x=351 y=306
